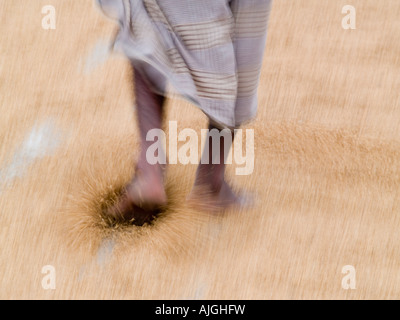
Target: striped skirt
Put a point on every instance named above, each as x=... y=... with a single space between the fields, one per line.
x=209 y=51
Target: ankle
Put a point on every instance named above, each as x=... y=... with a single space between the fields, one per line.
x=149 y=171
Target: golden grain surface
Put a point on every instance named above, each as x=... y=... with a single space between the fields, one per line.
x=326 y=178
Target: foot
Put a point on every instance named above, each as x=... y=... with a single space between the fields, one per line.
x=141 y=199
x=217 y=199
x=147 y=190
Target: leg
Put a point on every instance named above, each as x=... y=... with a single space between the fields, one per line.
x=146 y=190
x=251 y=18
x=210 y=186
x=149 y=112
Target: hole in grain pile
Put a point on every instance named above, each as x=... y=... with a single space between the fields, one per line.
x=134 y=216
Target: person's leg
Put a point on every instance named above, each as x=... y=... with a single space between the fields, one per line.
x=210 y=184
x=146 y=190
x=251 y=19
x=149 y=112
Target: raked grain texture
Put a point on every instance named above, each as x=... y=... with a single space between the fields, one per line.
x=326 y=180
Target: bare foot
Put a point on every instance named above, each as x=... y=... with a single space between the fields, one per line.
x=207 y=197
x=141 y=199
x=147 y=190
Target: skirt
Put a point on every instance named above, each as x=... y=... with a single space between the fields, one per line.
x=208 y=51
